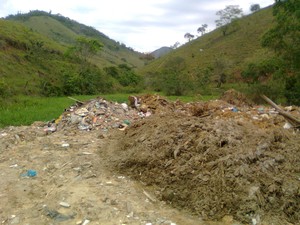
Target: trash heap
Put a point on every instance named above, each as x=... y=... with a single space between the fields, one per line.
x=103 y=115
x=98 y=114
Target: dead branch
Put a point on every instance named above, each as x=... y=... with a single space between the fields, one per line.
x=76 y=100
x=291 y=119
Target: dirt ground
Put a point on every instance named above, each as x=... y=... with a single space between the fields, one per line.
x=201 y=163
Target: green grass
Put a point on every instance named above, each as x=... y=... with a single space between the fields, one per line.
x=24 y=110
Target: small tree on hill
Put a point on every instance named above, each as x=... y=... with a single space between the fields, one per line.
x=227 y=16
x=254 y=7
x=189 y=36
x=202 y=29
x=84 y=48
x=176 y=45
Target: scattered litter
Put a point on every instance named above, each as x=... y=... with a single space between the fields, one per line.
x=29 y=173
x=50 y=128
x=3 y=134
x=14 y=166
x=287 y=126
x=57 y=216
x=85 y=222
x=149 y=196
x=18 y=138
x=234 y=109
x=14 y=219
x=109 y=183
x=64 y=204
x=86 y=153
x=65 y=145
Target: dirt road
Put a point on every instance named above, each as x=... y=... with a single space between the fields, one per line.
x=73 y=184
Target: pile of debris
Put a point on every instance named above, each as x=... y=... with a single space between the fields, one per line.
x=219 y=159
x=103 y=115
x=236 y=98
x=100 y=114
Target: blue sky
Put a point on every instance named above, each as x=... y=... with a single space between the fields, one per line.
x=144 y=25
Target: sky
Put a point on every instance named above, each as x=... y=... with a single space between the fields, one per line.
x=144 y=25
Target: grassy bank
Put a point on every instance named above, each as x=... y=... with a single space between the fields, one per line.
x=24 y=110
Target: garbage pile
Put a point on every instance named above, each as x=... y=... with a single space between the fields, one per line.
x=97 y=114
x=100 y=114
x=103 y=115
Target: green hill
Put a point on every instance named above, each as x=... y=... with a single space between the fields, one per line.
x=24 y=64
x=234 y=51
x=34 y=59
x=65 y=31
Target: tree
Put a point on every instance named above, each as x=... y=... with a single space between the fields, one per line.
x=284 y=38
x=254 y=7
x=189 y=36
x=174 y=81
x=220 y=64
x=176 y=45
x=202 y=29
x=86 y=48
x=227 y=16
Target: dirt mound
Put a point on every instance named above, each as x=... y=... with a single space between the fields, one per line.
x=236 y=98
x=242 y=164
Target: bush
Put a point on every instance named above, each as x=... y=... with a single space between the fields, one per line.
x=292 y=90
x=48 y=89
x=125 y=75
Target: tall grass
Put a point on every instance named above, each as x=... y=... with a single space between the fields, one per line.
x=24 y=110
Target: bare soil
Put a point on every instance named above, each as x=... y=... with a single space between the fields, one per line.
x=198 y=163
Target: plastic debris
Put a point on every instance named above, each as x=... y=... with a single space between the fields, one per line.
x=57 y=216
x=64 y=204
x=287 y=126
x=234 y=109
x=50 y=128
x=14 y=166
x=29 y=173
x=14 y=219
x=3 y=134
x=85 y=222
x=65 y=145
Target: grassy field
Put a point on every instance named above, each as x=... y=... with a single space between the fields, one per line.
x=24 y=110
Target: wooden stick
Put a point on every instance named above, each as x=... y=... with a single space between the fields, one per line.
x=149 y=196
x=76 y=100
x=294 y=121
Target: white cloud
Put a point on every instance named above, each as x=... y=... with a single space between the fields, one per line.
x=144 y=25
